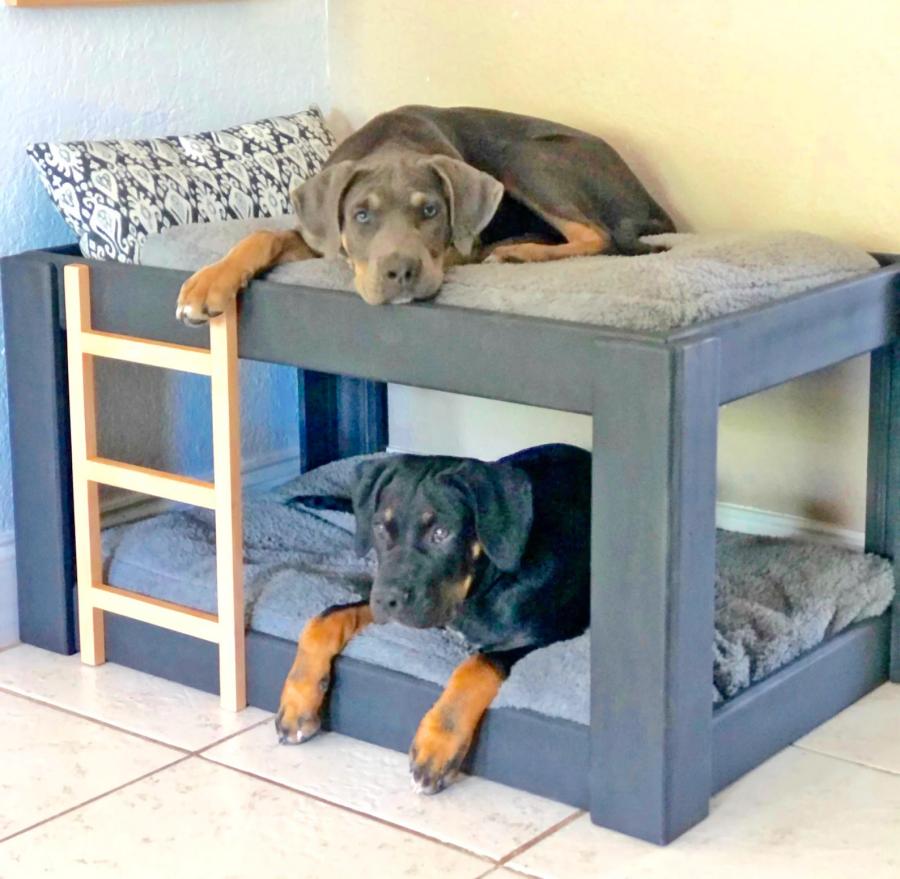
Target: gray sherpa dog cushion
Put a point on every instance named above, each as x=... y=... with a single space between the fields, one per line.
x=699 y=277
x=775 y=598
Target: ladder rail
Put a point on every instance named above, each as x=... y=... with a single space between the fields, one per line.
x=223 y=495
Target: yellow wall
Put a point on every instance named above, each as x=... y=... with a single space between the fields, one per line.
x=736 y=114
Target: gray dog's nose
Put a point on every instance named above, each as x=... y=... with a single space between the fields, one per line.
x=400 y=273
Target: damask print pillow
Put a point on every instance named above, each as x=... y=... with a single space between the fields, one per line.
x=113 y=193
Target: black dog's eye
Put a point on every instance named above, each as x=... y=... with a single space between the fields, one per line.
x=429 y=210
x=439 y=534
x=361 y=216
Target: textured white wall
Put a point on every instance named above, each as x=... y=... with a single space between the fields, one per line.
x=138 y=71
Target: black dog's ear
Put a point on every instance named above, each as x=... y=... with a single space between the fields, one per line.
x=473 y=197
x=500 y=496
x=317 y=203
x=371 y=477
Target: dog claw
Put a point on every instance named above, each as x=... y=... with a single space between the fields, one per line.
x=428 y=779
x=296 y=734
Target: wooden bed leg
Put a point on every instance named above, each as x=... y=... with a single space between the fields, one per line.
x=883 y=478
x=652 y=591
x=226 y=627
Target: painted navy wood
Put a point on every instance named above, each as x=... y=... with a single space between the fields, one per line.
x=507 y=357
x=883 y=481
x=773 y=343
x=339 y=417
x=543 y=755
x=652 y=572
x=39 y=442
x=655 y=751
x=777 y=711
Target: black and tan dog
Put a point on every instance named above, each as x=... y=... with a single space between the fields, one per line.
x=420 y=188
x=498 y=552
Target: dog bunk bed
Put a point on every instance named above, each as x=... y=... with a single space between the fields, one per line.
x=654 y=748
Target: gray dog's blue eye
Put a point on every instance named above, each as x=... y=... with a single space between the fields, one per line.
x=439 y=534
x=429 y=210
x=361 y=216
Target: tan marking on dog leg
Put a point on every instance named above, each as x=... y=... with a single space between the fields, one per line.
x=581 y=240
x=206 y=293
x=446 y=731
x=323 y=638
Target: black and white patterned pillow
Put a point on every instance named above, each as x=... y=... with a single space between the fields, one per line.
x=113 y=193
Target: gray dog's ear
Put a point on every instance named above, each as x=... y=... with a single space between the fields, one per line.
x=317 y=203
x=500 y=496
x=473 y=197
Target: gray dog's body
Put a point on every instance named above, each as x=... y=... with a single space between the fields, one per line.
x=553 y=170
x=420 y=187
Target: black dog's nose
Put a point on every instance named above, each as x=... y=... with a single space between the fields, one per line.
x=401 y=271
x=387 y=602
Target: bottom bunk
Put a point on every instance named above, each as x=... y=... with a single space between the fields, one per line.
x=800 y=634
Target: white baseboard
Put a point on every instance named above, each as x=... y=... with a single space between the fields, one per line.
x=9 y=605
x=750 y=520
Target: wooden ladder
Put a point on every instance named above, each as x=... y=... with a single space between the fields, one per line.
x=223 y=495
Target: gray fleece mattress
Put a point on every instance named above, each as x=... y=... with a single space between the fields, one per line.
x=698 y=277
x=775 y=598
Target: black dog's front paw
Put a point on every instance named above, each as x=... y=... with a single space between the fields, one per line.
x=298 y=718
x=294 y=730
x=435 y=756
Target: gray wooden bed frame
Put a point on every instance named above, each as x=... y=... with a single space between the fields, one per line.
x=655 y=751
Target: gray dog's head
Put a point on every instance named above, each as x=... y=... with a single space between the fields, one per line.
x=396 y=218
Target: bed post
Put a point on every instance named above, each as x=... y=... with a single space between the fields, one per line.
x=339 y=416
x=39 y=441
x=883 y=479
x=652 y=592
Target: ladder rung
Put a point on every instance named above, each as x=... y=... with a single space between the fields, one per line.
x=184 y=489
x=157 y=612
x=162 y=354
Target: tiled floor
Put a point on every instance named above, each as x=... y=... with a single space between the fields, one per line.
x=111 y=773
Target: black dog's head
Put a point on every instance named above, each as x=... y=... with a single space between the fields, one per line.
x=435 y=523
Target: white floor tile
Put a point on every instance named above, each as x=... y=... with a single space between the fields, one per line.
x=132 y=700
x=866 y=732
x=478 y=815
x=799 y=816
x=51 y=761
x=199 y=819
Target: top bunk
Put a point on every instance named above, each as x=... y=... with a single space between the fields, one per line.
x=772 y=317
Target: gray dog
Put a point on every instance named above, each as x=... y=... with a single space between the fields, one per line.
x=421 y=188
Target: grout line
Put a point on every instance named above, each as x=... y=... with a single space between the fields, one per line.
x=514 y=870
x=39 y=701
x=188 y=751
x=541 y=837
x=200 y=751
x=94 y=799
x=806 y=749
x=344 y=808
